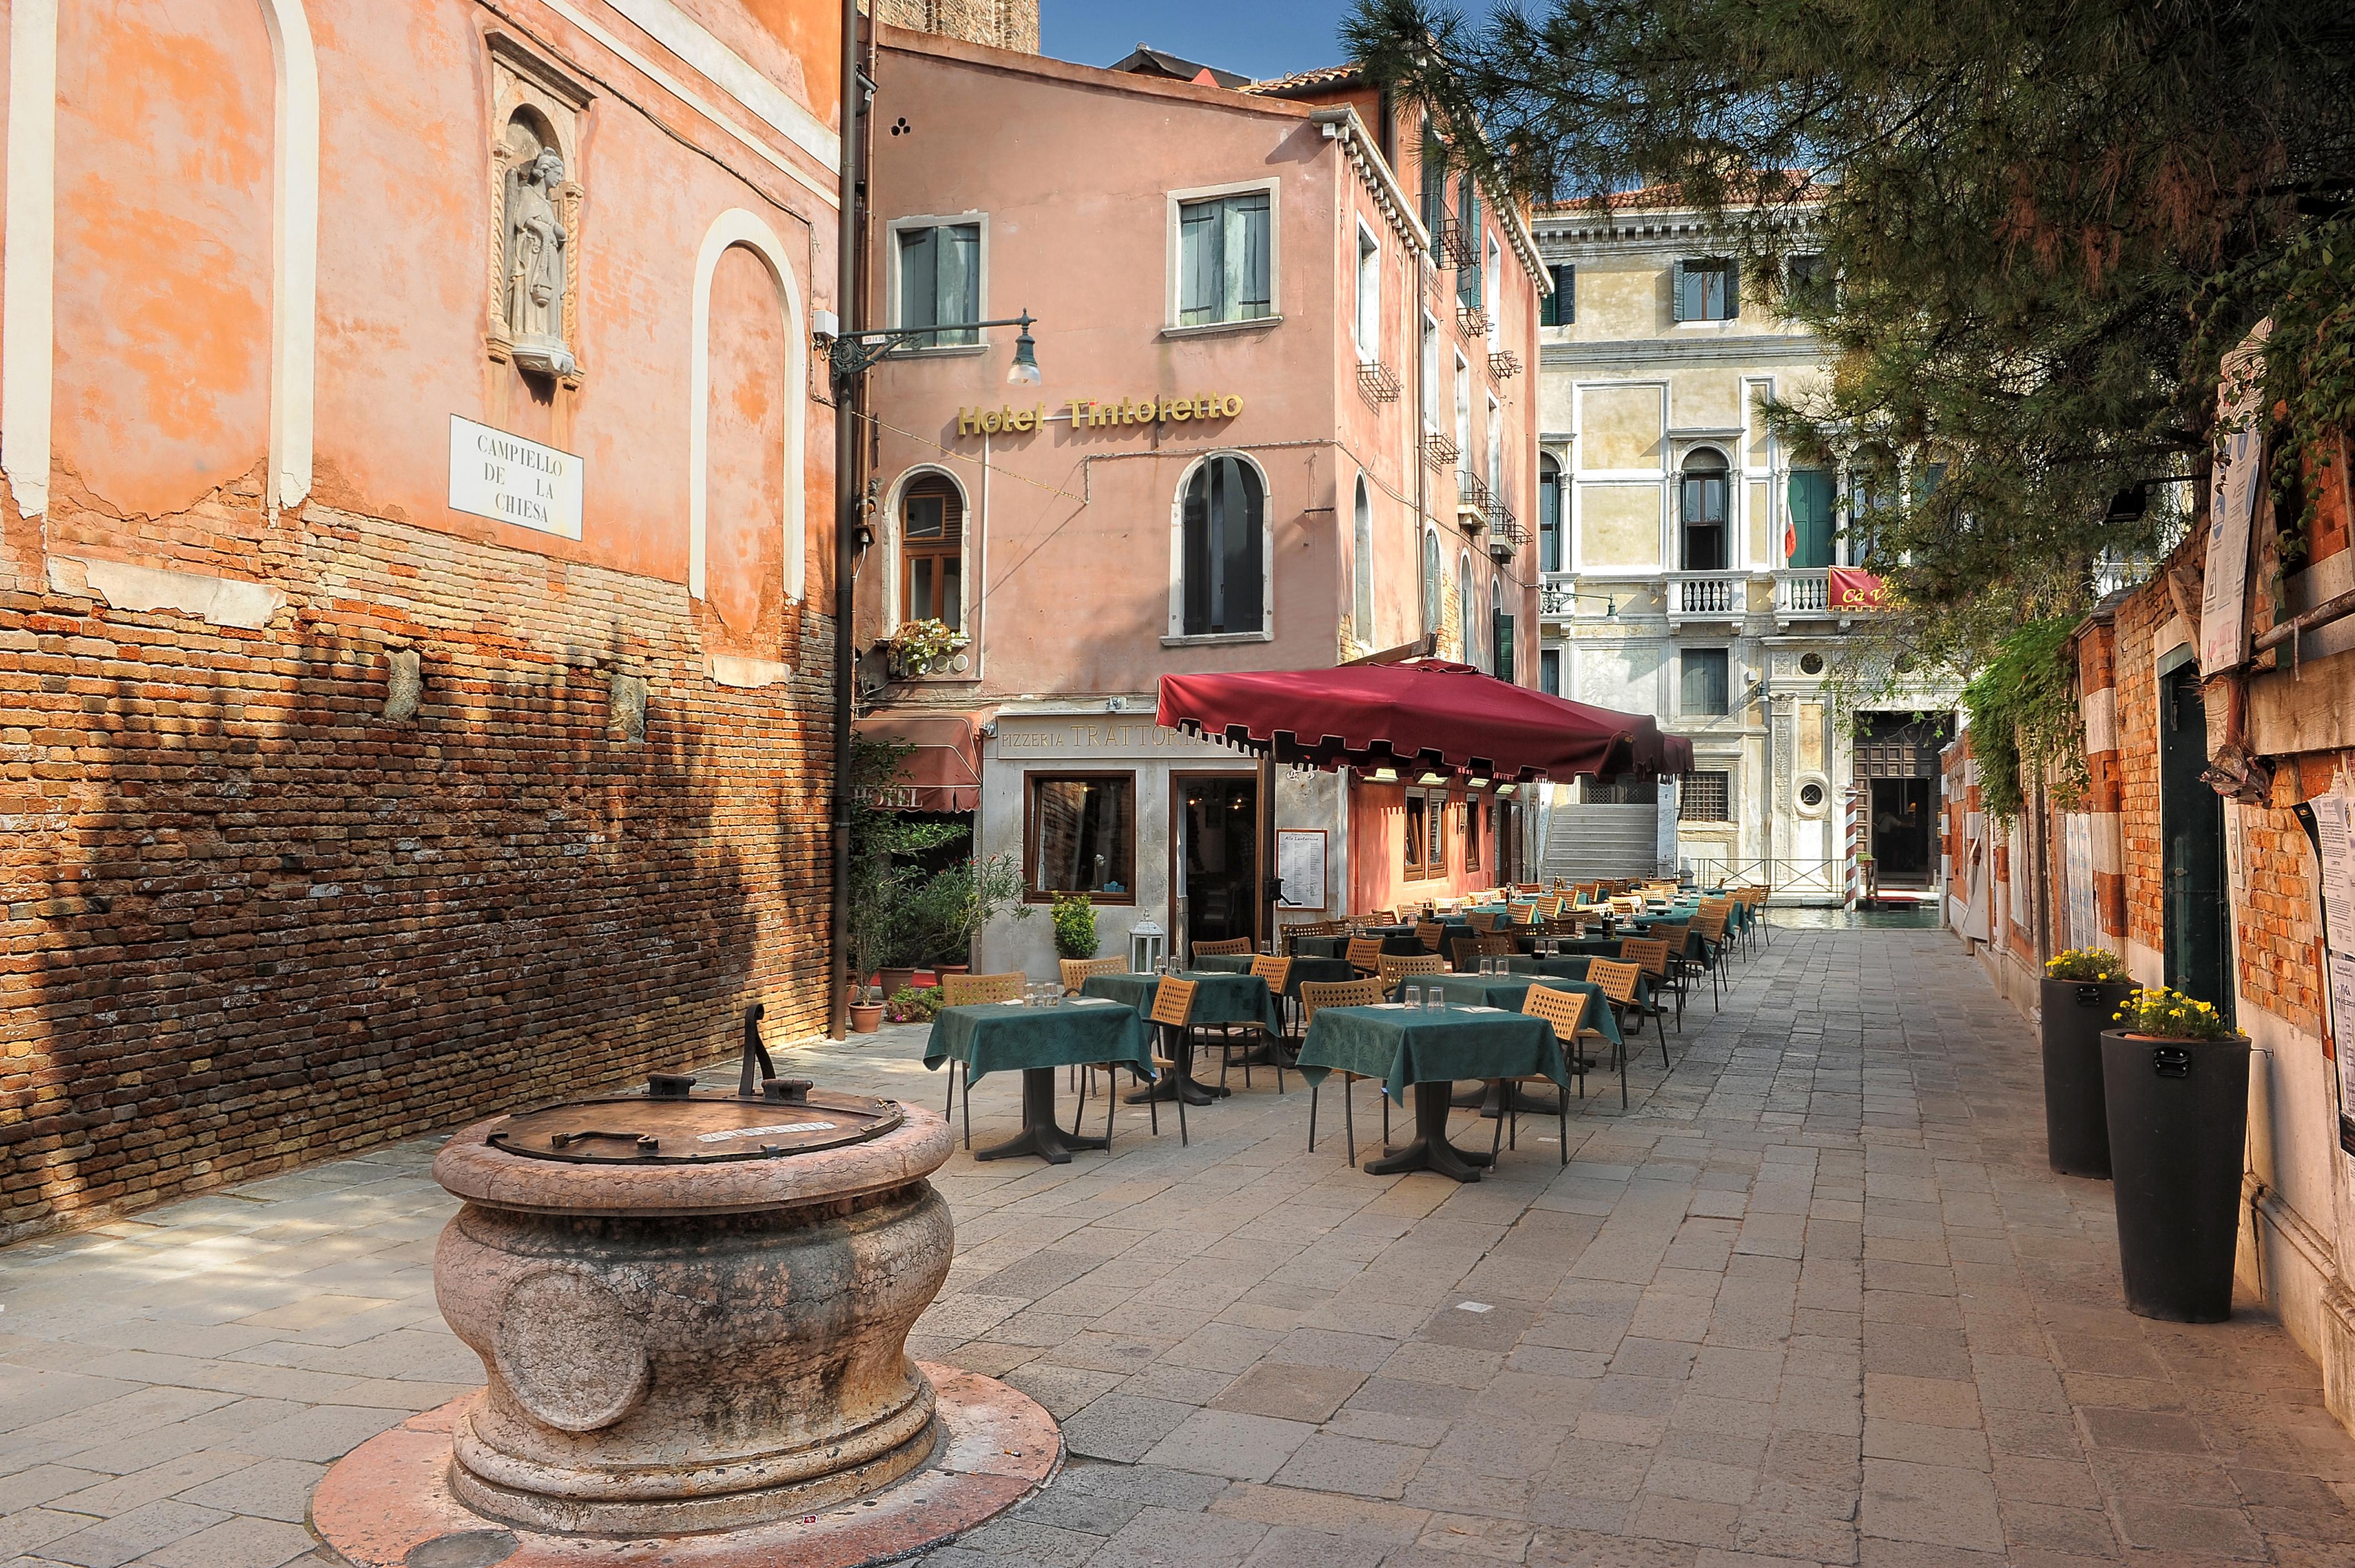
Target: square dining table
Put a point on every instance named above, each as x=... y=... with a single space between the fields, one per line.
x=1218 y=998
x=1000 y=1037
x=1430 y=1049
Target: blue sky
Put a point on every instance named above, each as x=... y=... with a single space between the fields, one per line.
x=1257 y=38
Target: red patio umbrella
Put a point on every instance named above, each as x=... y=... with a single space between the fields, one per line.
x=1426 y=716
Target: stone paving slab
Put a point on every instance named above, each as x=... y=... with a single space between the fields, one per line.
x=1813 y=1298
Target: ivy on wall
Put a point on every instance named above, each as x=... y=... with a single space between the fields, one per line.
x=2025 y=717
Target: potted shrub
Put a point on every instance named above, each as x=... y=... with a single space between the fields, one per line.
x=2081 y=990
x=885 y=883
x=1075 y=926
x=2175 y=1076
x=912 y=1004
x=954 y=906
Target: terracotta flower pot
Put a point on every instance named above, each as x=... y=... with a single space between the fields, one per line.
x=866 y=1018
x=894 y=981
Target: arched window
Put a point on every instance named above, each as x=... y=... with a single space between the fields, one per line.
x=1431 y=571
x=1703 y=510
x=1225 y=526
x=1550 y=550
x=932 y=551
x=1361 y=566
x=1465 y=613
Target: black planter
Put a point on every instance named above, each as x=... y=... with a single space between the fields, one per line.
x=2077 y=1120
x=2178 y=1120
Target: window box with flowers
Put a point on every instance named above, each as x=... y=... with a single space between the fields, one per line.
x=2082 y=988
x=2175 y=1077
x=924 y=647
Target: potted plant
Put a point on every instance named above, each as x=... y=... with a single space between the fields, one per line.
x=912 y=1006
x=954 y=905
x=2175 y=1077
x=885 y=882
x=919 y=648
x=2081 y=990
x=1075 y=926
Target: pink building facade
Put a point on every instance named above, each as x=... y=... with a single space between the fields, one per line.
x=1285 y=419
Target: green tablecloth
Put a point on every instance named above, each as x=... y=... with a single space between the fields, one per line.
x=1567 y=967
x=1220 y=1000
x=1511 y=991
x=1007 y=1036
x=1303 y=968
x=1338 y=946
x=1399 y=1047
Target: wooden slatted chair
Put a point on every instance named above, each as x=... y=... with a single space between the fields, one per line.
x=1520 y=914
x=1651 y=955
x=1566 y=1011
x=1075 y=971
x=1365 y=954
x=1275 y=972
x=1550 y=906
x=965 y=990
x=1232 y=947
x=1710 y=926
x=1315 y=994
x=1682 y=964
x=1397 y=967
x=1482 y=921
x=1497 y=945
x=1173 y=1009
x=1464 y=954
x=1617 y=980
x=1430 y=933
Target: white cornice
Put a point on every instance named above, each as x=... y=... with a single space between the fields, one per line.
x=1666 y=351
x=1341 y=124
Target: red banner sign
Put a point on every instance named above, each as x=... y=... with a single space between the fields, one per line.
x=1852 y=590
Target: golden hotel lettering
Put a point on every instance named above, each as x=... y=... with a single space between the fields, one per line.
x=1088 y=414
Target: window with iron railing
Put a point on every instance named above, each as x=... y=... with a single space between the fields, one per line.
x=1705 y=798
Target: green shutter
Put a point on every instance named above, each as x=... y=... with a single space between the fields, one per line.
x=1811 y=516
x=1504 y=633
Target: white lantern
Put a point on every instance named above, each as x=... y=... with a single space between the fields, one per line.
x=1148 y=945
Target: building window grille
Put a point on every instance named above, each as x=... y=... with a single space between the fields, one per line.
x=1226 y=269
x=1621 y=792
x=1705 y=798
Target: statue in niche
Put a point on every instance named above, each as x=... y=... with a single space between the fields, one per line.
x=533 y=283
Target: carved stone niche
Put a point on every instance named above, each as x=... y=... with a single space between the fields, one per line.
x=532 y=271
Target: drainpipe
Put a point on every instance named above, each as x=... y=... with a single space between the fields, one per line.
x=846 y=503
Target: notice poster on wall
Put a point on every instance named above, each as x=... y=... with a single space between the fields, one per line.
x=2342 y=1010
x=2084 y=931
x=1300 y=864
x=2337 y=833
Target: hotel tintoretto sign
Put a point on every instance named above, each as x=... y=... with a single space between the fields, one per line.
x=1094 y=413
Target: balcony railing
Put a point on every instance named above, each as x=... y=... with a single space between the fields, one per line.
x=2112 y=574
x=1505 y=535
x=1802 y=591
x=1504 y=363
x=1708 y=595
x=1437 y=450
x=1472 y=500
x=1472 y=321
x=1377 y=382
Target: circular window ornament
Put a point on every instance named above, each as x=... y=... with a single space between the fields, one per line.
x=1811 y=795
x=1905 y=663
x=1813 y=798
x=1811 y=663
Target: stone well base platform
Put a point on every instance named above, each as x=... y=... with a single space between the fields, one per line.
x=386 y=1504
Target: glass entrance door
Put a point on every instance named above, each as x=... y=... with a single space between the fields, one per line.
x=1215 y=844
x=2191 y=828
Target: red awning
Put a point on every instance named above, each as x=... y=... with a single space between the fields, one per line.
x=1427 y=716
x=943 y=771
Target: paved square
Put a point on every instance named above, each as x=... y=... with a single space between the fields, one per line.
x=1814 y=1298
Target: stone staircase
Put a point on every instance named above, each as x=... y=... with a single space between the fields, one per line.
x=1589 y=841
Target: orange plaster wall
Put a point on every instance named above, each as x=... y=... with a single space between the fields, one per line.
x=794 y=43
x=404 y=253
x=164 y=152
x=744 y=498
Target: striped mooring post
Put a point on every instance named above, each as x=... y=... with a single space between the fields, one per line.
x=1855 y=825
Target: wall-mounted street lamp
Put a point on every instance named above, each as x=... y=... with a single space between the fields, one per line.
x=853 y=354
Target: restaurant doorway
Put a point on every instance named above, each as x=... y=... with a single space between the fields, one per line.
x=2191 y=826
x=1214 y=855
x=1897 y=774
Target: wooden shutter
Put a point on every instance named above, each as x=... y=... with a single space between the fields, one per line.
x=1504 y=633
x=1676 y=291
x=1732 y=289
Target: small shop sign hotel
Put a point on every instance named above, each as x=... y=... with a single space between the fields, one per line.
x=511 y=480
x=1089 y=413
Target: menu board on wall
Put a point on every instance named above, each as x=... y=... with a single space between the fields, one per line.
x=1300 y=863
x=2334 y=825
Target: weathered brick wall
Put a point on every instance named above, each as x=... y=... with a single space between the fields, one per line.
x=249 y=923
x=2135 y=671
x=1005 y=24
x=2272 y=918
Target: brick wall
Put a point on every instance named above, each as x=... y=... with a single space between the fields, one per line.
x=2135 y=671
x=249 y=923
x=1003 y=24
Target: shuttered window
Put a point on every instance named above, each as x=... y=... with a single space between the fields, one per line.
x=1560 y=308
x=1811 y=516
x=1226 y=270
x=1705 y=290
x=940 y=282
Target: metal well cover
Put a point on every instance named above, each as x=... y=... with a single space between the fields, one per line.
x=670 y=1126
